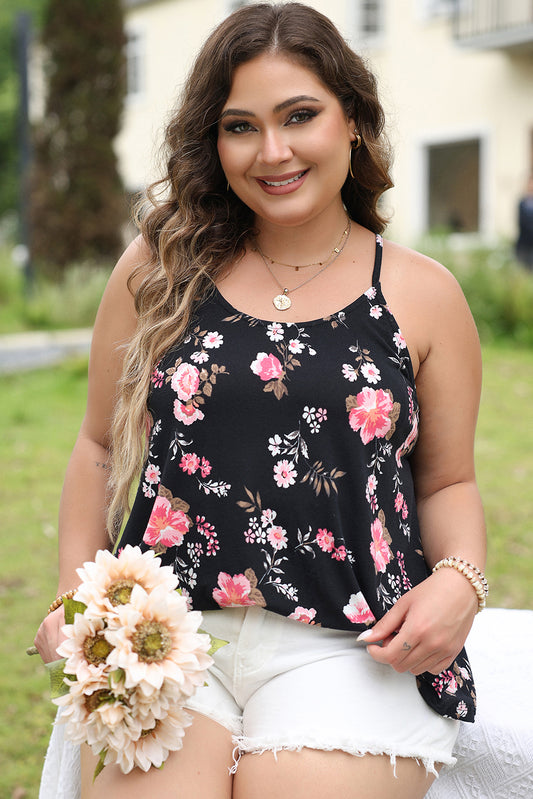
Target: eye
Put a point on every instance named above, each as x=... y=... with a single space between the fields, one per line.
x=301 y=115
x=238 y=127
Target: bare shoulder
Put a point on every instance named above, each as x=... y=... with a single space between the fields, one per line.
x=426 y=299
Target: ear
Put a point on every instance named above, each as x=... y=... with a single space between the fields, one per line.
x=352 y=128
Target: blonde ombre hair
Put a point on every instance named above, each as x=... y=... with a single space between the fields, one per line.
x=195 y=229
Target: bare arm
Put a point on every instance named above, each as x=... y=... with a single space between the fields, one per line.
x=427 y=627
x=82 y=528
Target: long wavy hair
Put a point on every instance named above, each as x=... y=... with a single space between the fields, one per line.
x=195 y=228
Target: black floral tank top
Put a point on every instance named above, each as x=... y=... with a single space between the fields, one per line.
x=278 y=470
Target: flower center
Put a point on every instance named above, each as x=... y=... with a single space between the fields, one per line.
x=119 y=592
x=94 y=701
x=96 y=649
x=151 y=641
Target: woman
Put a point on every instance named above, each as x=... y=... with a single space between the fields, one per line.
x=286 y=475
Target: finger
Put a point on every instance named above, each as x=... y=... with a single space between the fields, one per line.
x=386 y=627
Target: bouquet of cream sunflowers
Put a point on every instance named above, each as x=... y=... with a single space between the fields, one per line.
x=133 y=655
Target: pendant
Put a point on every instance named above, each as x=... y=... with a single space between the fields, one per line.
x=282 y=302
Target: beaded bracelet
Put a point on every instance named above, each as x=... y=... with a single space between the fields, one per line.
x=474 y=575
x=58 y=601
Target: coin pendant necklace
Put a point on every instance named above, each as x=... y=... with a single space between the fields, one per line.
x=282 y=301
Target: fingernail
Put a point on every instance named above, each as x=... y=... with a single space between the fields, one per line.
x=364 y=635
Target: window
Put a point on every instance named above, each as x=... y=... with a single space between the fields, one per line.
x=371 y=17
x=453 y=186
x=438 y=8
x=135 y=64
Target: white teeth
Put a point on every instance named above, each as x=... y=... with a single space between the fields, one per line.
x=284 y=182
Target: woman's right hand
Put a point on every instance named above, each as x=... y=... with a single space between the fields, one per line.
x=49 y=635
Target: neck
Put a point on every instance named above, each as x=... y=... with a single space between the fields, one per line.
x=305 y=242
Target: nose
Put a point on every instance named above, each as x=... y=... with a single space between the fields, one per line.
x=275 y=148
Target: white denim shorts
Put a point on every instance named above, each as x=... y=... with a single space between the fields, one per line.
x=281 y=684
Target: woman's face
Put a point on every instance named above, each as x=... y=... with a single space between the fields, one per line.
x=284 y=141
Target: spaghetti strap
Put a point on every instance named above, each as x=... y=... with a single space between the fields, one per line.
x=376 y=273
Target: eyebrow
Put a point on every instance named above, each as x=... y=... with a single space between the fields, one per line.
x=239 y=112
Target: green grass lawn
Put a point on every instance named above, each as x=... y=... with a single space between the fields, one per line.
x=41 y=414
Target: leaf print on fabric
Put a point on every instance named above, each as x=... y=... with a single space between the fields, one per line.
x=168 y=522
x=363 y=361
x=379 y=547
x=373 y=413
x=357 y=610
x=197 y=466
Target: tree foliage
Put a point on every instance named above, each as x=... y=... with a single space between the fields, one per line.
x=9 y=96
x=78 y=204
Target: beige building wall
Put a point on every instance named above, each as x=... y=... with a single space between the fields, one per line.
x=434 y=93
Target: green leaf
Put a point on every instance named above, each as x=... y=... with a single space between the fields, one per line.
x=71 y=608
x=56 y=674
x=100 y=764
x=216 y=643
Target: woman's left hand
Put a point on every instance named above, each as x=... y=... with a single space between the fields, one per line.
x=427 y=627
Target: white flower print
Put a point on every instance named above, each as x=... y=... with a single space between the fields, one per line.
x=213 y=340
x=277 y=537
x=399 y=340
x=349 y=372
x=296 y=346
x=275 y=331
x=376 y=311
x=274 y=445
x=267 y=516
x=284 y=473
x=199 y=357
x=371 y=373
x=371 y=292
x=309 y=414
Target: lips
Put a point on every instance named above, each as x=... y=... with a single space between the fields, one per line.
x=282 y=184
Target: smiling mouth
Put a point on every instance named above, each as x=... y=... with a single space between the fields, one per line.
x=286 y=182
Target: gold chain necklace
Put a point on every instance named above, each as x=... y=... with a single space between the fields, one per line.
x=265 y=257
x=282 y=301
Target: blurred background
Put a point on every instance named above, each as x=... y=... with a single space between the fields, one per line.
x=86 y=87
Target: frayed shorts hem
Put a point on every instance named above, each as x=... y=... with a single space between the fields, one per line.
x=257 y=746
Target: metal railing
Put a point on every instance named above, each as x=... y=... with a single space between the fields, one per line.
x=496 y=23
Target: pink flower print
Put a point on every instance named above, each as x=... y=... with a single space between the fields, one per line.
x=349 y=372
x=371 y=292
x=187 y=414
x=284 y=473
x=399 y=340
x=376 y=311
x=157 y=378
x=371 y=484
x=267 y=516
x=296 y=346
x=398 y=502
x=371 y=373
x=232 y=590
x=212 y=341
x=339 y=553
x=409 y=441
x=321 y=415
x=185 y=381
x=152 y=473
x=165 y=526
x=461 y=709
x=357 y=610
x=379 y=548
x=267 y=367
x=405 y=511
x=205 y=467
x=275 y=331
x=371 y=414
x=305 y=615
x=277 y=537
x=189 y=462
x=325 y=540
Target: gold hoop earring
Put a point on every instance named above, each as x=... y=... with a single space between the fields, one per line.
x=354 y=146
